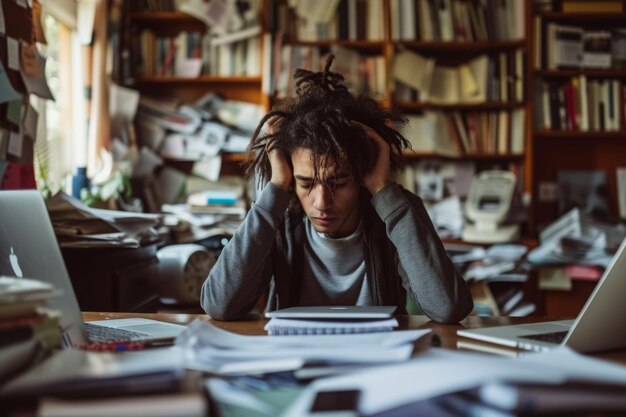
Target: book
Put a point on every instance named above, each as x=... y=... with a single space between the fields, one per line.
x=584 y=189
x=83 y=374
x=545 y=398
x=490 y=348
x=20 y=297
x=565 y=46
x=429 y=133
x=217 y=197
x=415 y=71
x=597 y=49
x=621 y=191
x=595 y=6
x=14 y=289
x=190 y=404
x=285 y=327
x=619 y=48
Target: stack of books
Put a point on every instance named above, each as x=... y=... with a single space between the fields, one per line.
x=28 y=331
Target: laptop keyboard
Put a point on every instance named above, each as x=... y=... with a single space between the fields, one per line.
x=103 y=334
x=554 y=337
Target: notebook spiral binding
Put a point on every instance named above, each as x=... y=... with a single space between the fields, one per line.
x=298 y=331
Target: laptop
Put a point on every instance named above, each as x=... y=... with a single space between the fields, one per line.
x=598 y=327
x=29 y=249
x=334 y=312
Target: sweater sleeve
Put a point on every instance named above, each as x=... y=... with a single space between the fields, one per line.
x=427 y=272
x=244 y=268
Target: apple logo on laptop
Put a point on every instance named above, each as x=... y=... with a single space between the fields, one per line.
x=15 y=264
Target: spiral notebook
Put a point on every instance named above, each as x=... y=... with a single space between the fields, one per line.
x=334 y=312
x=285 y=327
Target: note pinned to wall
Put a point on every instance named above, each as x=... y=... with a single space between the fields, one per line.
x=36 y=83
x=621 y=191
x=16 y=142
x=29 y=63
x=4 y=144
x=40 y=35
x=14 y=111
x=13 y=53
x=3 y=25
x=30 y=123
x=7 y=92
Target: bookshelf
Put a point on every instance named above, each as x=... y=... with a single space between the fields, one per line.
x=578 y=141
x=450 y=52
x=146 y=24
x=542 y=152
x=168 y=24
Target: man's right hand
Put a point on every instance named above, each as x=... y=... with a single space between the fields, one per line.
x=281 y=171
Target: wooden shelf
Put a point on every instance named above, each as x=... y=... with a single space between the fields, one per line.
x=416 y=106
x=163 y=18
x=586 y=18
x=226 y=157
x=462 y=47
x=569 y=134
x=588 y=72
x=233 y=157
x=409 y=155
x=204 y=79
x=367 y=46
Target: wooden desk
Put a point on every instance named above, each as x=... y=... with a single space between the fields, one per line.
x=445 y=333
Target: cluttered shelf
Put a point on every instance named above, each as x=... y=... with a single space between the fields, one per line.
x=574 y=134
x=586 y=17
x=588 y=72
x=204 y=79
x=186 y=164
x=578 y=76
x=529 y=242
x=161 y=18
x=361 y=45
x=485 y=106
x=443 y=47
x=413 y=156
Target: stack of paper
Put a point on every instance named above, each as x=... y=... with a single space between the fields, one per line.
x=211 y=349
x=439 y=374
x=576 y=238
x=28 y=331
x=77 y=225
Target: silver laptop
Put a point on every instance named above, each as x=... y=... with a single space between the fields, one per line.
x=334 y=312
x=598 y=327
x=29 y=249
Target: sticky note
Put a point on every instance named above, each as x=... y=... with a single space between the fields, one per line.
x=13 y=53
x=3 y=25
x=15 y=144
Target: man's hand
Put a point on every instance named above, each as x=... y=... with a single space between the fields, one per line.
x=281 y=171
x=380 y=175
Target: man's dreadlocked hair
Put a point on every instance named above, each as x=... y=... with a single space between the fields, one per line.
x=320 y=118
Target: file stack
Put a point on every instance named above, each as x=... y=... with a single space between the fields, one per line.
x=28 y=331
x=214 y=350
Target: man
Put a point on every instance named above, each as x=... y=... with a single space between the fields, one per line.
x=331 y=227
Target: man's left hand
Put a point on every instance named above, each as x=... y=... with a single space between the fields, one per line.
x=380 y=175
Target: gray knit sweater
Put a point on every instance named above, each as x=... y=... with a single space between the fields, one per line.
x=400 y=245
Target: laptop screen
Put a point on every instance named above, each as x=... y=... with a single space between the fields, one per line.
x=28 y=248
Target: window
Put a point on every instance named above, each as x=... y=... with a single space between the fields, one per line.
x=53 y=156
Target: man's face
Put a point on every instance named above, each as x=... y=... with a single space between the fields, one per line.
x=332 y=204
